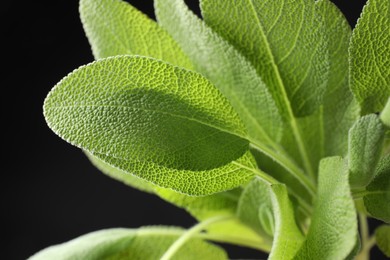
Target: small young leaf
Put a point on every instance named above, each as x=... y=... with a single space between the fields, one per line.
x=268 y=210
x=365 y=143
x=377 y=195
x=333 y=230
x=287 y=237
x=141 y=109
x=144 y=243
x=114 y=27
x=230 y=72
x=382 y=237
x=284 y=40
x=369 y=59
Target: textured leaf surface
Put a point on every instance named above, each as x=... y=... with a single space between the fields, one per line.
x=141 y=109
x=287 y=236
x=114 y=27
x=196 y=183
x=268 y=210
x=255 y=209
x=369 y=56
x=333 y=230
x=144 y=243
x=225 y=68
x=382 y=237
x=377 y=195
x=364 y=148
x=326 y=131
x=284 y=40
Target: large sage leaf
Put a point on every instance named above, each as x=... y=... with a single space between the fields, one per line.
x=377 y=194
x=334 y=218
x=284 y=40
x=114 y=27
x=141 y=109
x=365 y=143
x=326 y=131
x=369 y=59
x=225 y=68
x=119 y=243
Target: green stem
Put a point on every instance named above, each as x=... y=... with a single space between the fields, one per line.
x=367 y=241
x=289 y=165
x=189 y=234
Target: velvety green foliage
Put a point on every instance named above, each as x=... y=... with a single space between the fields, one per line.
x=144 y=243
x=369 y=56
x=225 y=68
x=382 y=236
x=267 y=209
x=326 y=131
x=234 y=118
x=377 y=195
x=364 y=148
x=289 y=61
x=333 y=230
x=114 y=27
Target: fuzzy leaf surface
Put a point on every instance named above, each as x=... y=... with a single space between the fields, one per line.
x=334 y=217
x=141 y=109
x=369 y=56
x=365 y=143
x=229 y=71
x=326 y=131
x=377 y=194
x=284 y=40
x=114 y=27
x=119 y=243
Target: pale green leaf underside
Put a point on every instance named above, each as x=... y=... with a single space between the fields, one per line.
x=225 y=68
x=148 y=243
x=377 y=198
x=364 y=149
x=284 y=40
x=333 y=230
x=114 y=27
x=141 y=109
x=197 y=183
x=369 y=56
x=382 y=237
x=326 y=131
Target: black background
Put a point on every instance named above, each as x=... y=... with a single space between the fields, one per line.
x=50 y=192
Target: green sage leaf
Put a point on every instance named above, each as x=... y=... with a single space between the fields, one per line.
x=284 y=40
x=377 y=194
x=385 y=114
x=382 y=237
x=334 y=219
x=141 y=109
x=369 y=59
x=365 y=143
x=119 y=243
x=114 y=27
x=231 y=73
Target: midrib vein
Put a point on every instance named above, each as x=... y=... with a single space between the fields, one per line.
x=291 y=119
